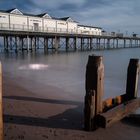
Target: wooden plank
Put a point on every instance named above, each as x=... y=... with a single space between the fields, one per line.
x=1 y=109
x=112 y=102
x=117 y=113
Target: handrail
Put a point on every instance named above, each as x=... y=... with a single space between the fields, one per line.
x=19 y=27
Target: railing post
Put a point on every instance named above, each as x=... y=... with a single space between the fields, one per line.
x=1 y=109
x=94 y=92
x=132 y=79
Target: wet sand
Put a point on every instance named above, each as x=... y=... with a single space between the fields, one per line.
x=30 y=116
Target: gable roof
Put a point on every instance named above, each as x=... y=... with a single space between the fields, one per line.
x=45 y=15
x=67 y=19
x=15 y=11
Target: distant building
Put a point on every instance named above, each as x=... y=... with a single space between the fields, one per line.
x=14 y=19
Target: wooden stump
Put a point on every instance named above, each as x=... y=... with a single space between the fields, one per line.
x=132 y=79
x=94 y=91
x=1 y=109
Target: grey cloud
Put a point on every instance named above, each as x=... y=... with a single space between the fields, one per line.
x=110 y=14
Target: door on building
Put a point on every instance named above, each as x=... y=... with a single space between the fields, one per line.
x=36 y=26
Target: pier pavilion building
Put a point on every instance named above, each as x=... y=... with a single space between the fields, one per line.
x=14 y=19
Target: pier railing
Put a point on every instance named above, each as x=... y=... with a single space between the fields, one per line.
x=18 y=27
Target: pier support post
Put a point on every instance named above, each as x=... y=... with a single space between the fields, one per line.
x=28 y=43
x=132 y=79
x=82 y=44
x=6 y=43
x=31 y=43
x=104 y=45
x=91 y=43
x=97 y=46
x=99 y=43
x=67 y=44
x=117 y=43
x=124 y=43
x=75 y=43
x=108 y=43
x=94 y=92
x=16 y=44
x=130 y=43
x=1 y=109
x=45 y=44
x=56 y=45
x=37 y=45
x=10 y=41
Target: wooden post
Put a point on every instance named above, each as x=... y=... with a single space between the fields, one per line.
x=1 y=110
x=132 y=79
x=94 y=91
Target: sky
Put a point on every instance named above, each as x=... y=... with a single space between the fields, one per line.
x=111 y=15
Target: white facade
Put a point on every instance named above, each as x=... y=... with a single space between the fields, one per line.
x=89 y=30
x=16 y=20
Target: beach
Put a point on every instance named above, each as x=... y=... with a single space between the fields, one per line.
x=42 y=104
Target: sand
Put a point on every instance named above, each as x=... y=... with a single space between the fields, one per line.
x=28 y=116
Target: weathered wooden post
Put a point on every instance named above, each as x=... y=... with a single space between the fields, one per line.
x=132 y=79
x=94 y=92
x=1 y=112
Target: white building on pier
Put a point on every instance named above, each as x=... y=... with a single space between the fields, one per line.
x=14 y=19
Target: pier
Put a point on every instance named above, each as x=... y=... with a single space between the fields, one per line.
x=27 y=32
x=17 y=40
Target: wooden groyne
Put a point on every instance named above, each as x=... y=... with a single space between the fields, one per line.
x=99 y=113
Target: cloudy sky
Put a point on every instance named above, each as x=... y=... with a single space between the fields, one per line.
x=112 y=15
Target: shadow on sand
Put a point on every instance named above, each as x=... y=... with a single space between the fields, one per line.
x=69 y=119
x=133 y=120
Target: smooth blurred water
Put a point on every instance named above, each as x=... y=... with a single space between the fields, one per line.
x=65 y=72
